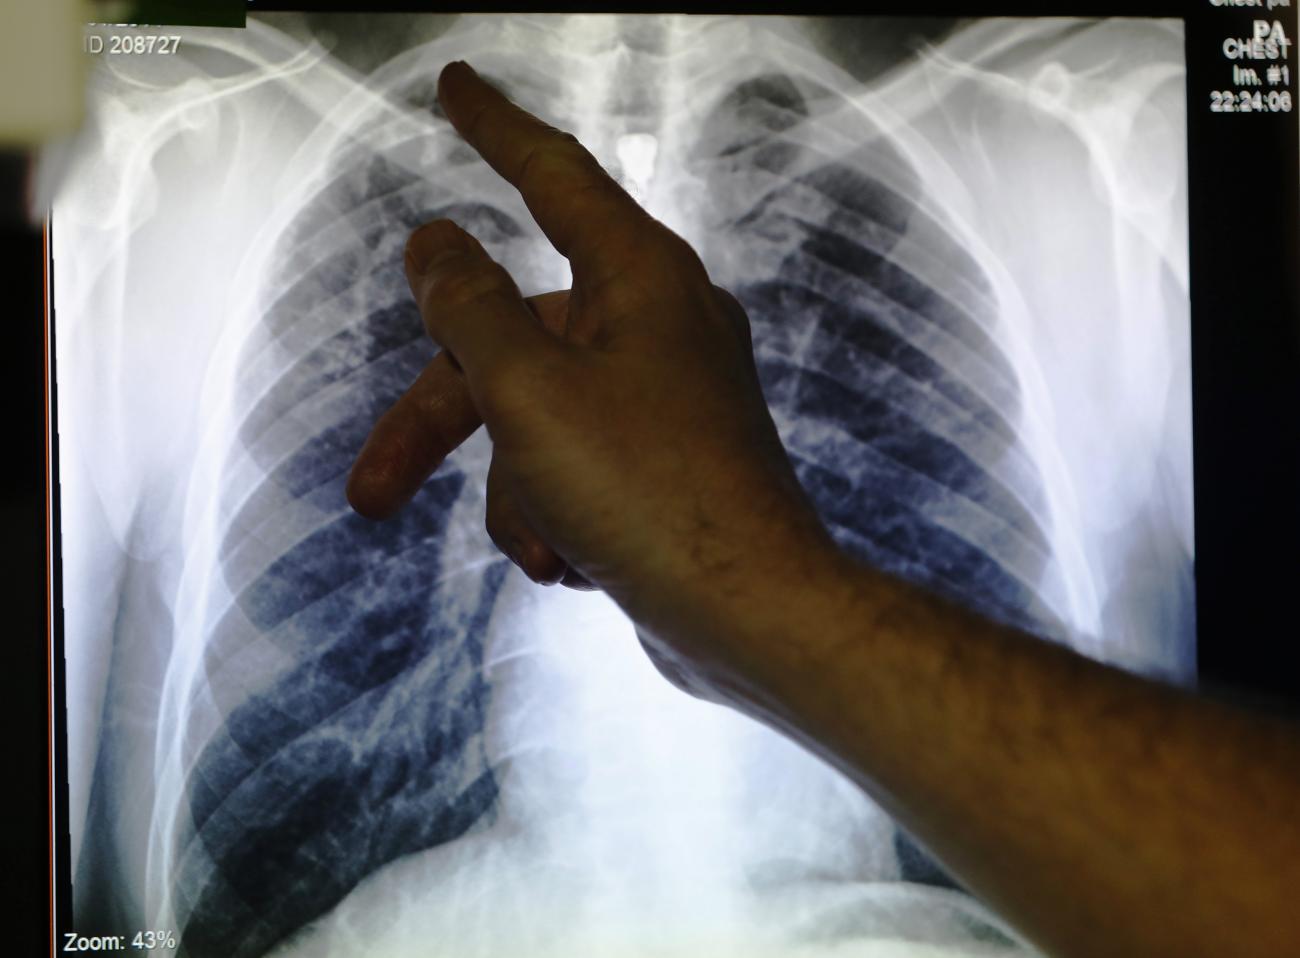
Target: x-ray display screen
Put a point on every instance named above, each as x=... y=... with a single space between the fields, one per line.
x=292 y=731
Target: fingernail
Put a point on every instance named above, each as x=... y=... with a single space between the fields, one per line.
x=466 y=66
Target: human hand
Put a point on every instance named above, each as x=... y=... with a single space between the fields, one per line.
x=632 y=448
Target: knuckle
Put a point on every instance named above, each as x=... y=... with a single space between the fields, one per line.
x=729 y=303
x=558 y=148
x=503 y=391
x=443 y=231
x=564 y=147
x=472 y=280
x=735 y=313
x=436 y=239
x=564 y=140
x=681 y=255
x=520 y=390
x=474 y=123
x=741 y=325
x=528 y=166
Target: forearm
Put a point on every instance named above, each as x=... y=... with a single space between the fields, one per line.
x=1100 y=813
x=631 y=445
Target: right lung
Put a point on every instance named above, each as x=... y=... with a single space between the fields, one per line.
x=365 y=742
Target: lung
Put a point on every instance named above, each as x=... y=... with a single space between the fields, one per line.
x=362 y=742
x=875 y=334
x=875 y=337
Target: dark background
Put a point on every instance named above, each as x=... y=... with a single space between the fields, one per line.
x=1245 y=270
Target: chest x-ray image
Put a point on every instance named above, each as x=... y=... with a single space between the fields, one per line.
x=294 y=732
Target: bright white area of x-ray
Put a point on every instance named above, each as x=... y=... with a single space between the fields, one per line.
x=633 y=818
x=1055 y=152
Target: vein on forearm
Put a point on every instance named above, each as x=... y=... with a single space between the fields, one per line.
x=1020 y=762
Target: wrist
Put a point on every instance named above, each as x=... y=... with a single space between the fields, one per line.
x=758 y=619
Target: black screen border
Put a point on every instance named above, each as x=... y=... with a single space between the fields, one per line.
x=1244 y=258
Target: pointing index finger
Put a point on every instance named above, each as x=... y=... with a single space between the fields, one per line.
x=582 y=210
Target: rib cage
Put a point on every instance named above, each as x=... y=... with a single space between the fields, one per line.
x=875 y=335
x=194 y=518
x=367 y=744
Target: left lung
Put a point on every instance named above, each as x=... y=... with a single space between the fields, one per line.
x=876 y=337
x=875 y=334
